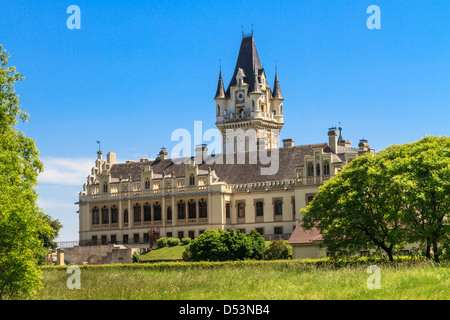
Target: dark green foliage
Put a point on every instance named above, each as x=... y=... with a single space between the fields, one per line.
x=278 y=250
x=186 y=241
x=218 y=245
x=161 y=242
x=173 y=242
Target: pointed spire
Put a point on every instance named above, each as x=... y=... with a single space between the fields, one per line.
x=220 y=92
x=276 y=94
x=256 y=87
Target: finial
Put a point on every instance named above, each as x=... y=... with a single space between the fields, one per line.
x=252 y=29
x=242 y=28
x=99 y=149
x=276 y=66
x=220 y=65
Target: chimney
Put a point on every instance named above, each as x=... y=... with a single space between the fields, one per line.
x=288 y=143
x=363 y=145
x=163 y=154
x=333 y=139
x=111 y=158
x=200 y=153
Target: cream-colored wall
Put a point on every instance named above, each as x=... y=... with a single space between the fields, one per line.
x=307 y=252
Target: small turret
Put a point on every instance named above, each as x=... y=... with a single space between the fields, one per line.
x=276 y=94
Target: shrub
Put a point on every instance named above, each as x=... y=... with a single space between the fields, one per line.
x=161 y=242
x=186 y=241
x=218 y=245
x=277 y=250
x=173 y=242
x=136 y=257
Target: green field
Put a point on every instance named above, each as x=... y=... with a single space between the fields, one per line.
x=247 y=280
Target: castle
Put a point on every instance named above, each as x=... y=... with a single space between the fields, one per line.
x=121 y=201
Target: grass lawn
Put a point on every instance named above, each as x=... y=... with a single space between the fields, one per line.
x=174 y=252
x=237 y=281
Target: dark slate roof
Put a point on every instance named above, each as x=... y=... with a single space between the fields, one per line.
x=289 y=158
x=220 y=92
x=276 y=94
x=248 y=61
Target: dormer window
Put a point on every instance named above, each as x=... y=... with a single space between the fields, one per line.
x=105 y=187
x=318 y=169
x=192 y=180
x=147 y=184
x=310 y=170
x=326 y=168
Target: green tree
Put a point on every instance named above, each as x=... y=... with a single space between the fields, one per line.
x=361 y=208
x=424 y=168
x=277 y=250
x=21 y=222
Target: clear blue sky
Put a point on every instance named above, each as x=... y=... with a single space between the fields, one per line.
x=137 y=70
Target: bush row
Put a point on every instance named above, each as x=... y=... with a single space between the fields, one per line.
x=171 y=242
x=276 y=264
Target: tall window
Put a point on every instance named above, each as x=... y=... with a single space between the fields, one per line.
x=125 y=216
x=259 y=208
x=181 y=210
x=241 y=210
x=114 y=214
x=203 y=210
x=192 y=209
x=157 y=211
x=227 y=210
x=147 y=212
x=169 y=213
x=310 y=170
x=105 y=215
x=192 y=180
x=278 y=207
x=137 y=212
x=326 y=168
x=105 y=187
x=95 y=215
x=318 y=169
x=147 y=184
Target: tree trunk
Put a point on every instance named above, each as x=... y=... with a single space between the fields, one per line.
x=428 y=251
x=435 y=252
x=389 y=253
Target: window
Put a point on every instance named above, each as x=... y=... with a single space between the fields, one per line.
x=136 y=238
x=146 y=238
x=147 y=212
x=326 y=168
x=318 y=169
x=113 y=238
x=125 y=216
x=191 y=234
x=114 y=214
x=200 y=232
x=95 y=216
x=227 y=210
x=125 y=238
x=278 y=207
x=180 y=234
x=147 y=184
x=260 y=230
x=181 y=210
x=157 y=211
x=192 y=180
x=202 y=207
x=293 y=208
x=278 y=230
x=241 y=210
x=105 y=215
x=105 y=187
x=259 y=208
x=241 y=230
x=192 y=209
x=309 y=199
x=137 y=212
x=169 y=234
x=94 y=240
x=310 y=170
x=169 y=213
x=104 y=240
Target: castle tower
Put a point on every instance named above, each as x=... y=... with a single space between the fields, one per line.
x=248 y=114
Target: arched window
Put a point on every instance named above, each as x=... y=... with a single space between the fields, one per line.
x=137 y=212
x=95 y=215
x=192 y=180
x=157 y=211
x=310 y=170
x=105 y=187
x=192 y=209
x=125 y=216
x=169 y=213
x=114 y=214
x=318 y=169
x=147 y=184
x=147 y=212
x=202 y=207
x=181 y=210
x=105 y=215
x=326 y=168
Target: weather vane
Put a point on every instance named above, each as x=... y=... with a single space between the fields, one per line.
x=99 y=149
